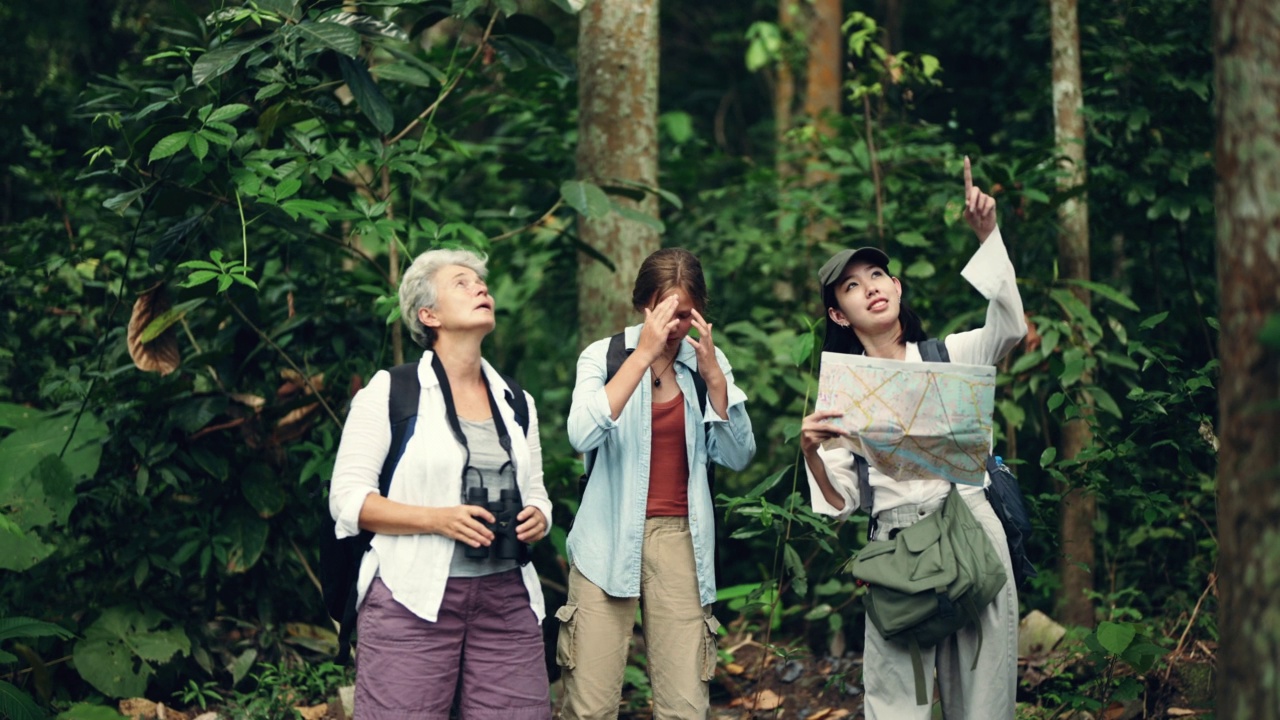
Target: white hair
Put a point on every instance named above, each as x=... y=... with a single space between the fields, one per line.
x=418 y=287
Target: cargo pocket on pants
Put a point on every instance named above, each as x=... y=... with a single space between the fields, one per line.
x=566 y=653
x=710 y=648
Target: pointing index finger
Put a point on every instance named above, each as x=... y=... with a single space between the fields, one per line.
x=968 y=178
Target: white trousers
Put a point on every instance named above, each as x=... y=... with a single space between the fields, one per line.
x=986 y=692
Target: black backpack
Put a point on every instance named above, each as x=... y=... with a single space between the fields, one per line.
x=1004 y=493
x=340 y=559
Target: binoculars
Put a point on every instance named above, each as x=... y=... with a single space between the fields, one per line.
x=505 y=545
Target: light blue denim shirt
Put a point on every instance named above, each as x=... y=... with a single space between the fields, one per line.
x=608 y=531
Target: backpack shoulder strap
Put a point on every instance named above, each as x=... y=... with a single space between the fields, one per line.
x=616 y=355
x=613 y=359
x=402 y=413
x=933 y=350
x=518 y=402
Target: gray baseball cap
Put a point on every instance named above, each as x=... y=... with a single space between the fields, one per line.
x=831 y=270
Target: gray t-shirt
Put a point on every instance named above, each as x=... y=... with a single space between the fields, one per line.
x=488 y=457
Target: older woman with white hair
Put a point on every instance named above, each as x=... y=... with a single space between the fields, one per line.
x=447 y=600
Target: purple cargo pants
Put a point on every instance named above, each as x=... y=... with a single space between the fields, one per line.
x=485 y=634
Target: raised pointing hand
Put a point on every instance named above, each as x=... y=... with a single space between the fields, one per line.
x=979 y=207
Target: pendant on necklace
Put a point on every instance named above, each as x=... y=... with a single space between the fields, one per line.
x=657 y=382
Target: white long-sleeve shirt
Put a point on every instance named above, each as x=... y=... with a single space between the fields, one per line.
x=991 y=273
x=416 y=567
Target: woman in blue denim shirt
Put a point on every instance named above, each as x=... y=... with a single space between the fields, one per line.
x=645 y=531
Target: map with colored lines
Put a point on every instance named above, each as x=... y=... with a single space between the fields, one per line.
x=912 y=420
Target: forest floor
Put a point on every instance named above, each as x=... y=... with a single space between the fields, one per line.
x=784 y=680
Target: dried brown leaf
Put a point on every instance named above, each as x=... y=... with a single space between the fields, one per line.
x=161 y=354
x=760 y=700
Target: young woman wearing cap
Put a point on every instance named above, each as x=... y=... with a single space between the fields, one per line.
x=866 y=314
x=645 y=532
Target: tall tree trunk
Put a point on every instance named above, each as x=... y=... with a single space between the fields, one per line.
x=822 y=94
x=784 y=94
x=617 y=139
x=1247 y=201
x=1075 y=564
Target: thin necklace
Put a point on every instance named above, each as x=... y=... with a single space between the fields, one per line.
x=657 y=379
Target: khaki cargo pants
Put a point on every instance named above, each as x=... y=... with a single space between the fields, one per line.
x=679 y=633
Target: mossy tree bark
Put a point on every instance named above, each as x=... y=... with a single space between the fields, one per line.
x=617 y=140
x=1079 y=507
x=1247 y=70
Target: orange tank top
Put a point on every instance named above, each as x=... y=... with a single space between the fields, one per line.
x=668 y=462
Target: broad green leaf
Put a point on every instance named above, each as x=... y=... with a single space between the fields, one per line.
x=1153 y=321
x=368 y=96
x=44 y=496
x=464 y=8
x=169 y=145
x=227 y=113
x=1026 y=362
x=199 y=277
x=402 y=73
x=118 y=650
x=287 y=188
x=240 y=667
x=1048 y=456
x=639 y=216
x=1107 y=292
x=330 y=35
x=1035 y=195
x=248 y=535
x=1104 y=401
x=802 y=349
x=920 y=269
x=119 y=203
x=678 y=125
x=912 y=239
x=21 y=552
x=166 y=319
x=313 y=209
x=799 y=576
x=222 y=59
x=1055 y=401
x=14 y=416
x=283 y=8
x=24 y=627
x=1115 y=637
x=585 y=197
x=22 y=450
x=199 y=146
x=1072 y=366
x=17 y=705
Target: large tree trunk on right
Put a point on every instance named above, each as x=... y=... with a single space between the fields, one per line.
x=617 y=139
x=1075 y=562
x=1247 y=73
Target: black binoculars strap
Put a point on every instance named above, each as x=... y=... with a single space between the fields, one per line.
x=451 y=411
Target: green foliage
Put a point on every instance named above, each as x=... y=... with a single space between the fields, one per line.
x=280 y=688
x=272 y=167
x=118 y=650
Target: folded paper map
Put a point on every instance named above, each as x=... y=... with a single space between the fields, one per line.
x=912 y=420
